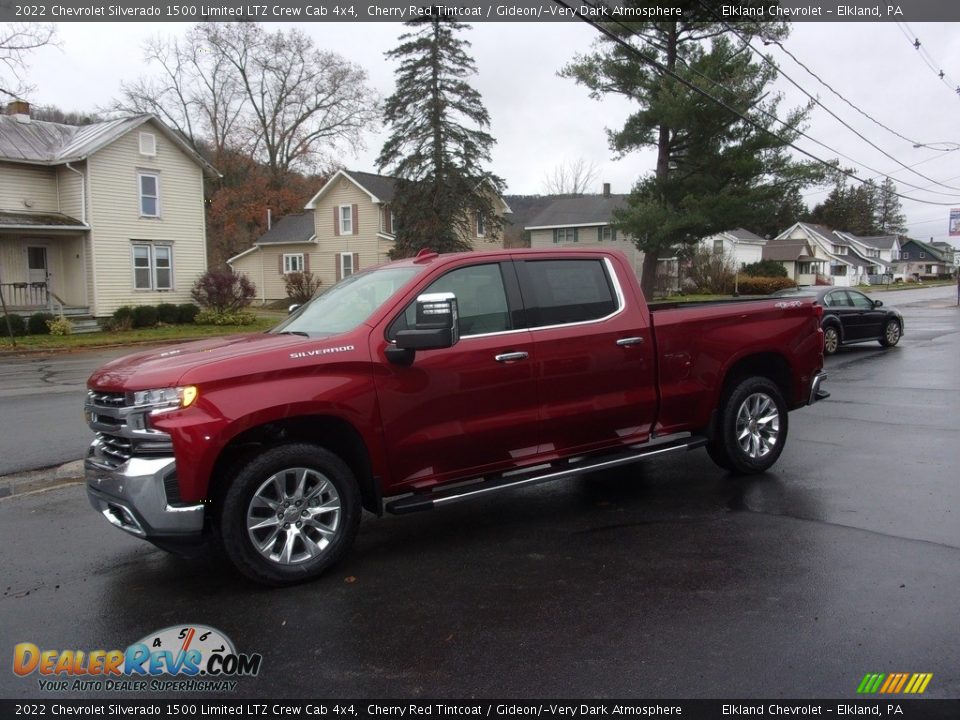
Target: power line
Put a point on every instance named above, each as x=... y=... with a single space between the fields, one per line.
x=817 y=100
x=867 y=115
x=656 y=64
x=926 y=57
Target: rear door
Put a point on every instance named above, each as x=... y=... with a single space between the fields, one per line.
x=594 y=355
x=472 y=408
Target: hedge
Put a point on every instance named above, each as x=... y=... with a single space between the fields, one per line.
x=747 y=285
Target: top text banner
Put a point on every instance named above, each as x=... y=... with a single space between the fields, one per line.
x=473 y=11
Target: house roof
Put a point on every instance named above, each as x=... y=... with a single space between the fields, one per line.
x=38 y=142
x=39 y=221
x=741 y=234
x=787 y=250
x=880 y=242
x=379 y=187
x=584 y=210
x=822 y=230
x=293 y=228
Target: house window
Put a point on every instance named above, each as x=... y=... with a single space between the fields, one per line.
x=904 y=255
x=481 y=225
x=292 y=262
x=149 y=194
x=561 y=235
x=606 y=233
x=839 y=249
x=805 y=268
x=346 y=265
x=346 y=219
x=718 y=247
x=148 y=144
x=152 y=267
x=838 y=270
x=922 y=255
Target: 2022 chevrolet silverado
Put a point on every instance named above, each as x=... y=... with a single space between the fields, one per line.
x=402 y=382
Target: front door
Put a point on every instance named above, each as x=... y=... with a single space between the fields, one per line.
x=469 y=409
x=36 y=264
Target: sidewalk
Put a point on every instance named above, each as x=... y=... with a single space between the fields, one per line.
x=44 y=479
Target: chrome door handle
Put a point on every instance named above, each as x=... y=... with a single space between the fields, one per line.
x=510 y=357
x=624 y=342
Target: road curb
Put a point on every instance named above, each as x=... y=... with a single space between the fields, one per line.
x=34 y=480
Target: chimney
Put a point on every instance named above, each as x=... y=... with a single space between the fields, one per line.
x=19 y=110
x=606 y=190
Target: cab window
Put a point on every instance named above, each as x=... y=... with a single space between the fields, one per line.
x=481 y=301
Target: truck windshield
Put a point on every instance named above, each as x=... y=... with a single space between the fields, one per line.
x=347 y=304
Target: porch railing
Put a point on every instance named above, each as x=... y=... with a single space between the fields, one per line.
x=25 y=294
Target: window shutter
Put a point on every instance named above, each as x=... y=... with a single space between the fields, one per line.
x=336 y=263
x=356 y=217
x=555 y=239
x=576 y=234
x=336 y=220
x=356 y=262
x=280 y=263
x=600 y=234
x=388 y=226
x=306 y=262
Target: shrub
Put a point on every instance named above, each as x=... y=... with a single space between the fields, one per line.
x=124 y=312
x=223 y=290
x=710 y=273
x=60 y=326
x=762 y=285
x=37 y=324
x=144 y=316
x=168 y=313
x=301 y=286
x=765 y=268
x=186 y=313
x=237 y=317
x=17 y=325
x=122 y=324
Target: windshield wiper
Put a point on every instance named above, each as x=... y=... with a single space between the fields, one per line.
x=293 y=332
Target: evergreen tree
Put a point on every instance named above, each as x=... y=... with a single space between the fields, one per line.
x=714 y=170
x=888 y=214
x=438 y=143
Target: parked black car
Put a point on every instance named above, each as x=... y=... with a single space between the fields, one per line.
x=849 y=316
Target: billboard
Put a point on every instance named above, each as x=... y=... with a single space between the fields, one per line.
x=955 y=222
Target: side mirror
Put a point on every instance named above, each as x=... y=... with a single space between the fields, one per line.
x=293 y=308
x=437 y=324
x=878 y=303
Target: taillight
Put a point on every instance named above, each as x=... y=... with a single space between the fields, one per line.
x=818 y=311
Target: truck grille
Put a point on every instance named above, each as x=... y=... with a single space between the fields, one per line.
x=122 y=429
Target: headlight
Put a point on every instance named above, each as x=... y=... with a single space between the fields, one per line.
x=166 y=398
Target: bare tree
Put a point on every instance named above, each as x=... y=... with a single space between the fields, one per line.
x=196 y=93
x=17 y=41
x=571 y=177
x=270 y=95
x=304 y=105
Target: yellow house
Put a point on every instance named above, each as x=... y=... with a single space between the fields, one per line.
x=346 y=226
x=97 y=216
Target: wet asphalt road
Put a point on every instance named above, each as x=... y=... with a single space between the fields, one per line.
x=666 y=579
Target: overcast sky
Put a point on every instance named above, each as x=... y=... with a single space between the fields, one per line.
x=541 y=120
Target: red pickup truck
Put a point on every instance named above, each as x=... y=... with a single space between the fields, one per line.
x=432 y=380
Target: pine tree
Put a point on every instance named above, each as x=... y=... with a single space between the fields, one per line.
x=888 y=214
x=438 y=143
x=714 y=170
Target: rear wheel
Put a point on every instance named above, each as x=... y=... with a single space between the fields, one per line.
x=891 y=333
x=752 y=427
x=831 y=340
x=290 y=514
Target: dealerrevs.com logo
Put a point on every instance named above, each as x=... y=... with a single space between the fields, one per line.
x=180 y=658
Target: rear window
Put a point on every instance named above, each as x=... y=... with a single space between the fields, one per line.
x=569 y=291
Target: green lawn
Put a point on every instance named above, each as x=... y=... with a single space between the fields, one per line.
x=169 y=333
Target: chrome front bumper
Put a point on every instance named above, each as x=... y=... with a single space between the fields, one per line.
x=815 y=392
x=132 y=497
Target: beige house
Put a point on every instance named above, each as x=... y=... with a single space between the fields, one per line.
x=346 y=226
x=585 y=221
x=98 y=216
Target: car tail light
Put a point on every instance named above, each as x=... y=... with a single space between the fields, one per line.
x=818 y=311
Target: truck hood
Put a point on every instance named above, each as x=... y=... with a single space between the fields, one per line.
x=168 y=366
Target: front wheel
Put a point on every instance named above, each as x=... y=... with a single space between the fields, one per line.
x=289 y=514
x=752 y=427
x=891 y=334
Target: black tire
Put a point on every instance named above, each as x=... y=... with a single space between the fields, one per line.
x=754 y=409
x=891 y=333
x=307 y=501
x=831 y=340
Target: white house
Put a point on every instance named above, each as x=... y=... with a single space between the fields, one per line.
x=742 y=246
